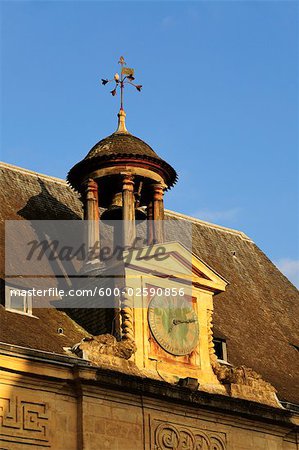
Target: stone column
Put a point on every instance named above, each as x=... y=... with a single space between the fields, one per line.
x=92 y=215
x=158 y=212
x=150 y=223
x=128 y=209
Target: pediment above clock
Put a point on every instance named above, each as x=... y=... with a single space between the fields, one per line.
x=173 y=260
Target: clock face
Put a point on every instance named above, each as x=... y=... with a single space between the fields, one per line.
x=173 y=324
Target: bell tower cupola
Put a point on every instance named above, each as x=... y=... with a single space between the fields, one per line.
x=123 y=175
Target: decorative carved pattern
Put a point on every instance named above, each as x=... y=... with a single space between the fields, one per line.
x=175 y=437
x=22 y=421
x=127 y=318
x=213 y=357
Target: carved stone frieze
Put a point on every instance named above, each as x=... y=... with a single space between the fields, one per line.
x=169 y=436
x=24 y=422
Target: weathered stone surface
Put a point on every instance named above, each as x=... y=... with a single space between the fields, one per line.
x=94 y=347
x=244 y=382
x=124 y=412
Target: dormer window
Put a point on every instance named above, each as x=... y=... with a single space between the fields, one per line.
x=220 y=349
x=18 y=300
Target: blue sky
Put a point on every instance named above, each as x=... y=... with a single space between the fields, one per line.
x=220 y=100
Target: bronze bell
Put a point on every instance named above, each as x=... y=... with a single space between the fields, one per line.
x=114 y=211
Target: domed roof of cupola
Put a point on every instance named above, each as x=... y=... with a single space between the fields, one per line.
x=119 y=148
x=121 y=144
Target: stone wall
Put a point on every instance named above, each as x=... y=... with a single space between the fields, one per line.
x=46 y=405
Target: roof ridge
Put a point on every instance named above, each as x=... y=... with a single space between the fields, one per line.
x=239 y=233
x=32 y=172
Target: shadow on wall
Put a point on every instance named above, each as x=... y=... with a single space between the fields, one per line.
x=44 y=206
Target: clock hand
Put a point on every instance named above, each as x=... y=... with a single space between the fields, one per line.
x=178 y=321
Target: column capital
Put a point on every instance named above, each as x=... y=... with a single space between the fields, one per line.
x=91 y=187
x=90 y=182
x=128 y=181
x=158 y=190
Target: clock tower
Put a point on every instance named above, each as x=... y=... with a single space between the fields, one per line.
x=173 y=306
x=162 y=293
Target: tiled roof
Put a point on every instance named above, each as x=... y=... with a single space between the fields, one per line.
x=121 y=143
x=258 y=314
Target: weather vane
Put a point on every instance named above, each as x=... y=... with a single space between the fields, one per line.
x=126 y=77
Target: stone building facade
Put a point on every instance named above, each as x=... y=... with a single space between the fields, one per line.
x=92 y=379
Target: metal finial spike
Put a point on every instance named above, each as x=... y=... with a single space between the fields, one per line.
x=121 y=122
